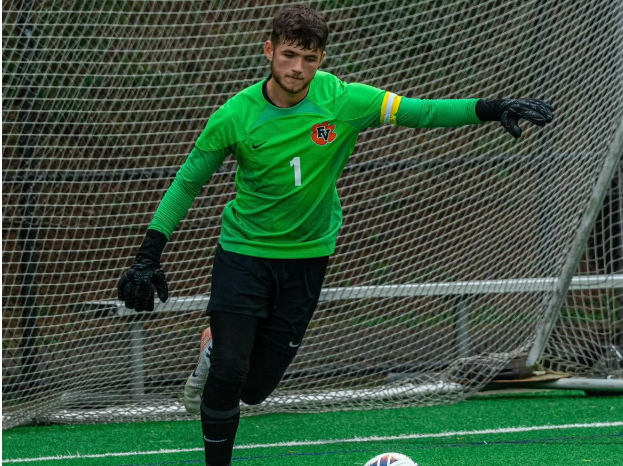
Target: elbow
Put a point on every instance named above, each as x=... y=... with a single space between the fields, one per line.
x=190 y=189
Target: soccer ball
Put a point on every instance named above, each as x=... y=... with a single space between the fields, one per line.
x=391 y=459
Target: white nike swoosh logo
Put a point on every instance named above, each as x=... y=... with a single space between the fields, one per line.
x=292 y=345
x=214 y=441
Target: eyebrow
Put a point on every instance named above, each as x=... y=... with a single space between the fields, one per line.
x=296 y=52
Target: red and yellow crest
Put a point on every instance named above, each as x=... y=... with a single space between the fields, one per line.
x=323 y=133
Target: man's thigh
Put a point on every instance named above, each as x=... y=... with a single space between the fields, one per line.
x=241 y=284
x=298 y=291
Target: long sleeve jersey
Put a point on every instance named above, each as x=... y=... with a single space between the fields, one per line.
x=289 y=160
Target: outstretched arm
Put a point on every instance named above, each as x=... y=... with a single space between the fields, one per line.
x=421 y=113
x=360 y=105
x=417 y=113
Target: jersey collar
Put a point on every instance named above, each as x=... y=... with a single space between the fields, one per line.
x=265 y=93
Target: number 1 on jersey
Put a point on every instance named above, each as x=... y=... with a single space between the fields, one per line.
x=296 y=163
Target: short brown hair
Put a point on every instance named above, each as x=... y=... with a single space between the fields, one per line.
x=300 y=25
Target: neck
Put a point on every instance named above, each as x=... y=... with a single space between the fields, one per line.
x=282 y=98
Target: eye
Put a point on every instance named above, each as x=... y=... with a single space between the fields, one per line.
x=311 y=59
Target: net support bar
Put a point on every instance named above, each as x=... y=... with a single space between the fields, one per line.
x=533 y=285
x=137 y=337
x=461 y=328
x=574 y=383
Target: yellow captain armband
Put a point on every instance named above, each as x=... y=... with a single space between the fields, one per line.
x=389 y=108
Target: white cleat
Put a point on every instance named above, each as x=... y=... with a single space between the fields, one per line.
x=197 y=380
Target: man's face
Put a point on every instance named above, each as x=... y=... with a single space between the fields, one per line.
x=292 y=67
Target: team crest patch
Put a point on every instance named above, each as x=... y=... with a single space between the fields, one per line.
x=323 y=133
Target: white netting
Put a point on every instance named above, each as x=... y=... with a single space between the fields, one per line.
x=453 y=239
x=588 y=336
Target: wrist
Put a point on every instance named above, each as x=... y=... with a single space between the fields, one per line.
x=152 y=247
x=488 y=110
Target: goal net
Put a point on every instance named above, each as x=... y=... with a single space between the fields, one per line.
x=459 y=248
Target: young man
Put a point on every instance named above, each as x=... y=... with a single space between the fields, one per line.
x=292 y=135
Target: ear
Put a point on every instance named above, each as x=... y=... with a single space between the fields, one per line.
x=324 y=54
x=268 y=50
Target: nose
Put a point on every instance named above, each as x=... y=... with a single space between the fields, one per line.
x=297 y=66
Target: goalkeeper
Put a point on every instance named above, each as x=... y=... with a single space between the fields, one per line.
x=291 y=135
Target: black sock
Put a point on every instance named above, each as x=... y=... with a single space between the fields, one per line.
x=218 y=438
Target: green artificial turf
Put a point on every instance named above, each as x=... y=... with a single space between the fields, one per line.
x=586 y=446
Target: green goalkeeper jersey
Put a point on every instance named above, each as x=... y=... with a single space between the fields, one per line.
x=289 y=160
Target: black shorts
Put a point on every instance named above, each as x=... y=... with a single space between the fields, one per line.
x=282 y=293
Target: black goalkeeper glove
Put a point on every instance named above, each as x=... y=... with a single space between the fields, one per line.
x=136 y=286
x=509 y=112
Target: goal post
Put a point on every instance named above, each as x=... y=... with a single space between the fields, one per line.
x=588 y=335
x=461 y=250
x=578 y=245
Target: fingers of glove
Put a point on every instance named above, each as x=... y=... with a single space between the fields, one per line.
x=509 y=122
x=149 y=298
x=138 y=293
x=160 y=282
x=535 y=111
x=141 y=290
x=146 y=296
x=545 y=106
x=121 y=284
x=543 y=112
x=128 y=293
x=533 y=117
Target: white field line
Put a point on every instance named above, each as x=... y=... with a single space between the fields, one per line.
x=503 y=430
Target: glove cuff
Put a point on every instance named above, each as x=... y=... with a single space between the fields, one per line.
x=152 y=247
x=488 y=110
